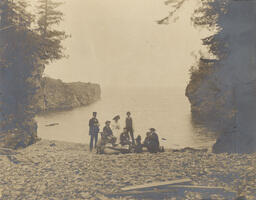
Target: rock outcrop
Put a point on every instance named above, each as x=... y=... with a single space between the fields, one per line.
x=203 y=93
x=57 y=95
x=18 y=104
x=224 y=98
x=226 y=111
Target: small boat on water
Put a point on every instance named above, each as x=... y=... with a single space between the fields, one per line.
x=53 y=124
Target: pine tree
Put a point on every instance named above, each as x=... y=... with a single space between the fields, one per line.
x=223 y=92
x=49 y=17
x=24 y=50
x=17 y=64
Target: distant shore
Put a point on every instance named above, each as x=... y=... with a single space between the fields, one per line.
x=60 y=96
x=62 y=170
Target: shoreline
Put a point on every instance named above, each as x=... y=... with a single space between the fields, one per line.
x=62 y=110
x=177 y=130
x=51 y=169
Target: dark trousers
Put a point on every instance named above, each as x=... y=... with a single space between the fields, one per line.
x=95 y=138
x=130 y=131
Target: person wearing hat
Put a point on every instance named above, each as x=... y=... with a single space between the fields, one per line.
x=154 y=141
x=116 y=128
x=151 y=141
x=154 y=135
x=107 y=135
x=93 y=130
x=129 y=126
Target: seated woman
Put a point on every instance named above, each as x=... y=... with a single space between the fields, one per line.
x=116 y=128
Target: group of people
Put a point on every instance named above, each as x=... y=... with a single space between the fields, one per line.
x=112 y=134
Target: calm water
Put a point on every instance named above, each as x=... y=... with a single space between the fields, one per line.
x=166 y=109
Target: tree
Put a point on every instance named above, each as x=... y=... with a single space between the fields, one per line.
x=49 y=17
x=23 y=53
x=232 y=99
x=234 y=74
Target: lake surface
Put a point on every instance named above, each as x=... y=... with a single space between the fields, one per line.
x=165 y=109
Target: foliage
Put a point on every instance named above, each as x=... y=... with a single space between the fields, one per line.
x=233 y=45
x=23 y=52
x=49 y=17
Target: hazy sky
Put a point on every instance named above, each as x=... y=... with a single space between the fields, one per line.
x=119 y=43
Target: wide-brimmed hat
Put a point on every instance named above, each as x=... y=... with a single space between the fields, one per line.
x=152 y=129
x=107 y=122
x=116 y=117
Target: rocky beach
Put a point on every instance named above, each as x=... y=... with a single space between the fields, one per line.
x=61 y=170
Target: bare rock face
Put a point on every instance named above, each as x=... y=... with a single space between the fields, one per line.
x=20 y=138
x=240 y=136
x=207 y=104
x=18 y=106
x=234 y=142
x=57 y=95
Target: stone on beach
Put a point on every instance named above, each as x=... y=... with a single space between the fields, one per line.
x=70 y=171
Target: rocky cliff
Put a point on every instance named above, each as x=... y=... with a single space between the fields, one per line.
x=225 y=97
x=208 y=103
x=57 y=95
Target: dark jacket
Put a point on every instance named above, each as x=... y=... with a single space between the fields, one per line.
x=147 y=141
x=124 y=136
x=152 y=143
x=154 y=138
x=128 y=123
x=107 y=131
x=93 y=126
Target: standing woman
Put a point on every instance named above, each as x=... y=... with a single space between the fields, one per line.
x=116 y=128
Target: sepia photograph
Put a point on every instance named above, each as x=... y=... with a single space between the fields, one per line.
x=128 y=99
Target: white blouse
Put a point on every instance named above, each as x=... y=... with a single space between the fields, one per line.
x=116 y=128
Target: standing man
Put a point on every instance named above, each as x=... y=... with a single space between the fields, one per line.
x=93 y=130
x=129 y=126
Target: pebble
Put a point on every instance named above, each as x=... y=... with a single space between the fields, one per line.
x=70 y=171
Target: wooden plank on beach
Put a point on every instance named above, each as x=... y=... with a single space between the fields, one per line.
x=137 y=192
x=156 y=184
x=175 y=190
x=196 y=187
